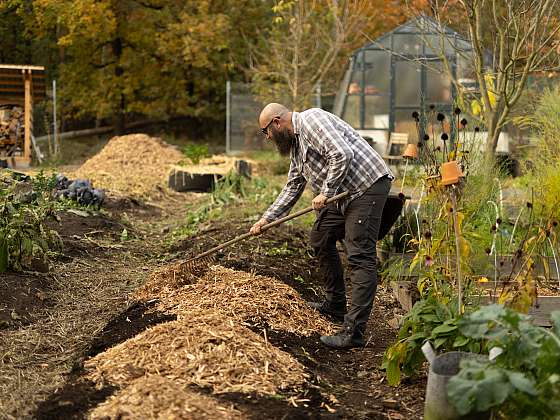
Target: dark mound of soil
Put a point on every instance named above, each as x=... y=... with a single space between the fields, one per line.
x=129 y=323
x=79 y=394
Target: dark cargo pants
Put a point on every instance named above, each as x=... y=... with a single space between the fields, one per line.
x=358 y=227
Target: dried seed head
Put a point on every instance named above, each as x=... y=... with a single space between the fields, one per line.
x=429 y=261
x=401 y=196
x=415 y=115
x=457 y=111
x=493 y=229
x=464 y=122
x=440 y=117
x=428 y=235
x=498 y=221
x=529 y=205
x=554 y=223
x=488 y=251
x=426 y=137
x=432 y=106
x=420 y=144
x=477 y=129
x=444 y=137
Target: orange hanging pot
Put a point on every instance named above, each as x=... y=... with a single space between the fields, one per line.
x=411 y=151
x=450 y=173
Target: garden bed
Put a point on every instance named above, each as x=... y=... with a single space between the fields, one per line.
x=89 y=311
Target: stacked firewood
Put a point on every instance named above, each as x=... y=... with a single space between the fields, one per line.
x=11 y=129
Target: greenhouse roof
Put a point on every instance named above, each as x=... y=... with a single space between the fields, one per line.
x=421 y=25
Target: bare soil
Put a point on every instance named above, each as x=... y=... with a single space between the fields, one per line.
x=84 y=309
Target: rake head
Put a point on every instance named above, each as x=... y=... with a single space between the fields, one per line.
x=196 y=266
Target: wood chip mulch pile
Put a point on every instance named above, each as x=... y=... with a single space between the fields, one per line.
x=154 y=397
x=134 y=165
x=261 y=301
x=210 y=346
x=204 y=349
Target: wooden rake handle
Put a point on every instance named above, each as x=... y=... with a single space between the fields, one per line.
x=266 y=227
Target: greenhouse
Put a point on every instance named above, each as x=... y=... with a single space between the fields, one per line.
x=403 y=71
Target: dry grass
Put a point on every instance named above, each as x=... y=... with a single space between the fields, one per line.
x=259 y=300
x=203 y=349
x=159 y=397
x=133 y=165
x=35 y=358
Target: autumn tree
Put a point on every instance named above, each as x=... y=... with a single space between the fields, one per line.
x=309 y=43
x=522 y=39
x=147 y=57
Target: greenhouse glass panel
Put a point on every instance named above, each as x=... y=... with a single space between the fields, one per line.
x=377 y=72
x=352 y=111
x=438 y=84
x=438 y=43
x=376 y=112
x=404 y=123
x=407 y=44
x=355 y=86
x=407 y=83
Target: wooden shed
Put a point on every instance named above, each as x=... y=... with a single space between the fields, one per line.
x=20 y=87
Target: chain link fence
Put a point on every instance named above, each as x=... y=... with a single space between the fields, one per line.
x=242 y=113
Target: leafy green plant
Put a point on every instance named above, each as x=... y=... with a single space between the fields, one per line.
x=280 y=250
x=524 y=380
x=24 y=234
x=196 y=152
x=432 y=319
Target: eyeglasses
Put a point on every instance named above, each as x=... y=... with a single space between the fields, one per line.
x=265 y=130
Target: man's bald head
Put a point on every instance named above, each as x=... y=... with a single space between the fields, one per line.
x=270 y=112
x=276 y=124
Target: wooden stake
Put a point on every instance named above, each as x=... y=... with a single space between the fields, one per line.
x=27 y=116
x=458 y=253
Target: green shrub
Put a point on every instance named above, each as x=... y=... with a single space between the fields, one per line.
x=431 y=319
x=524 y=380
x=25 y=207
x=196 y=152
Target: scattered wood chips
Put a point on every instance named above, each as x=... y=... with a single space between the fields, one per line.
x=159 y=397
x=258 y=300
x=133 y=165
x=204 y=349
x=217 y=164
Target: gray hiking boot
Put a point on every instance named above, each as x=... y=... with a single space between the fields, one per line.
x=335 y=311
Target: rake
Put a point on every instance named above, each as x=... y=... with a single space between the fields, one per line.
x=198 y=264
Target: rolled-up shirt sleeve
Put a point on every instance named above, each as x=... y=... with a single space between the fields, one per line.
x=289 y=195
x=337 y=151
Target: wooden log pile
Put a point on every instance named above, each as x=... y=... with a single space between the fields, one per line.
x=11 y=130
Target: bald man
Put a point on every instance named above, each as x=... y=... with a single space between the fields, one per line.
x=332 y=157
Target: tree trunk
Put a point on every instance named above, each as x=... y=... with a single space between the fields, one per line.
x=494 y=128
x=119 y=117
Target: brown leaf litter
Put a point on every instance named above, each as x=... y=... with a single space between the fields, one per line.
x=132 y=165
x=204 y=349
x=159 y=397
x=259 y=300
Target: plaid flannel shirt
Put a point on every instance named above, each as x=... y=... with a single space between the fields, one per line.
x=332 y=157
